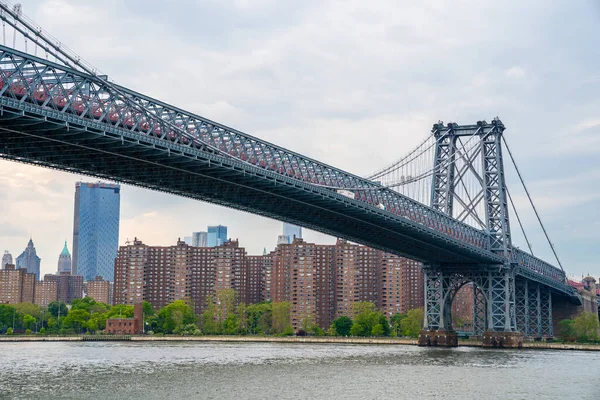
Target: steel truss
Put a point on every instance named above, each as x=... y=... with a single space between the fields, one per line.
x=494 y=296
x=534 y=309
x=450 y=175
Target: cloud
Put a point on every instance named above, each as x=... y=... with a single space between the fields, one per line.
x=515 y=73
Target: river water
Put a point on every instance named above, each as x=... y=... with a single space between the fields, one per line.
x=201 y=370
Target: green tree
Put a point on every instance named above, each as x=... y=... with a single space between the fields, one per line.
x=27 y=308
x=7 y=313
x=231 y=325
x=208 y=319
x=242 y=316
x=28 y=321
x=412 y=324
x=568 y=333
x=43 y=331
x=147 y=309
x=76 y=320
x=173 y=317
x=56 y=306
x=395 y=322
x=9 y=331
x=97 y=321
x=120 y=311
x=586 y=326
x=83 y=304
x=366 y=317
x=342 y=325
x=377 y=330
x=260 y=318
x=281 y=317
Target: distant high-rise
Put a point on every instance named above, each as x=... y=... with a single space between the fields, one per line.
x=291 y=232
x=64 y=260
x=29 y=260
x=200 y=239
x=217 y=235
x=95 y=229
x=7 y=258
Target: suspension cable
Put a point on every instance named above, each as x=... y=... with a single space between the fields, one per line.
x=532 y=205
x=520 y=224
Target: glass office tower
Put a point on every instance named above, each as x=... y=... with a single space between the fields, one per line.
x=217 y=235
x=96 y=230
x=291 y=231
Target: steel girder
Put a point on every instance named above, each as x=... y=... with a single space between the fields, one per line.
x=34 y=82
x=164 y=166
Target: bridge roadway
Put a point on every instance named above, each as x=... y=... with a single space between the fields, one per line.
x=61 y=118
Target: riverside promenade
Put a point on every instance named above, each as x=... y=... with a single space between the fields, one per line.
x=275 y=339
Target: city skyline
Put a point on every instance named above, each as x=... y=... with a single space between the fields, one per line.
x=332 y=128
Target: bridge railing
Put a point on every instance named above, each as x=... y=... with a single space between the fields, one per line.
x=30 y=79
x=538 y=266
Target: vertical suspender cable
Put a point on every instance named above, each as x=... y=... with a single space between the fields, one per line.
x=532 y=205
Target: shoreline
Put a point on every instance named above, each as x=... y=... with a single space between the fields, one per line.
x=285 y=339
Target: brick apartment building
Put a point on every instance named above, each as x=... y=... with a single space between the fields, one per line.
x=45 y=293
x=321 y=282
x=19 y=286
x=16 y=285
x=161 y=275
x=99 y=290
x=70 y=287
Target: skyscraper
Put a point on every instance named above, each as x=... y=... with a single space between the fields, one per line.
x=291 y=231
x=29 y=260
x=6 y=259
x=217 y=235
x=64 y=260
x=200 y=239
x=95 y=229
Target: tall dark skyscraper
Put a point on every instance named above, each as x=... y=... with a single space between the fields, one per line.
x=96 y=229
x=217 y=235
x=29 y=260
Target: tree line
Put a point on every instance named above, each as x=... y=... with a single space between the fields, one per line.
x=222 y=316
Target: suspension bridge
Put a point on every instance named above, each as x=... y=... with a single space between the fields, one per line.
x=445 y=204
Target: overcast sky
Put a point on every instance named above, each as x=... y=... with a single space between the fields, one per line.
x=356 y=84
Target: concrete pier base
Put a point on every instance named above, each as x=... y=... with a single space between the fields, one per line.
x=506 y=340
x=438 y=338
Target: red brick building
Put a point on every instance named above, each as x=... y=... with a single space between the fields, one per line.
x=126 y=326
x=45 y=293
x=70 y=287
x=16 y=285
x=161 y=275
x=99 y=290
x=321 y=282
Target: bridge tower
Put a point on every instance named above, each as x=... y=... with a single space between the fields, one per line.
x=468 y=184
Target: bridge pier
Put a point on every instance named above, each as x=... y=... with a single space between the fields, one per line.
x=494 y=310
x=438 y=338
x=505 y=340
